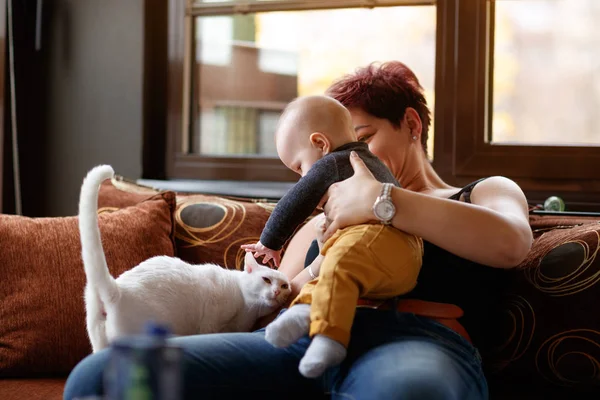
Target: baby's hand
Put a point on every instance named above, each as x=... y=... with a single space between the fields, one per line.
x=260 y=249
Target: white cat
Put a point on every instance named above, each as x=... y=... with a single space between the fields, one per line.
x=190 y=299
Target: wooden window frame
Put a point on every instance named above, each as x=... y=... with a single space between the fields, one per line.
x=179 y=164
x=4 y=104
x=463 y=107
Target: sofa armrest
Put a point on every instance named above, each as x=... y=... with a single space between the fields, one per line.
x=551 y=321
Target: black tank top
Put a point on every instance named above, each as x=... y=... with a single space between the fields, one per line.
x=476 y=288
x=447 y=278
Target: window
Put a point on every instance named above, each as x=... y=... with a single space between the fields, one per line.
x=546 y=87
x=240 y=70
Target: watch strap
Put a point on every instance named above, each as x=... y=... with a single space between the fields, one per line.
x=386 y=191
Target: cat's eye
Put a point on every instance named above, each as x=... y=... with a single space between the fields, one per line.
x=284 y=286
x=267 y=280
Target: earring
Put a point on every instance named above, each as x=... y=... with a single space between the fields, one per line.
x=414 y=138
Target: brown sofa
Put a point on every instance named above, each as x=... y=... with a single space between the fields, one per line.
x=549 y=347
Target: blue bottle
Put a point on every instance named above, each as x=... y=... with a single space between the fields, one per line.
x=144 y=367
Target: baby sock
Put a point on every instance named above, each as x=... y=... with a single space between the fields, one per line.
x=322 y=353
x=289 y=327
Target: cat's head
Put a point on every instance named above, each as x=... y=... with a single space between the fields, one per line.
x=267 y=286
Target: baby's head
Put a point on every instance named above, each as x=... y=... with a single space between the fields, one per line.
x=309 y=128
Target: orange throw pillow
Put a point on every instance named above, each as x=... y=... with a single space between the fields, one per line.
x=42 y=312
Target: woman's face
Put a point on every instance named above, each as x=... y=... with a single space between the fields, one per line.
x=390 y=144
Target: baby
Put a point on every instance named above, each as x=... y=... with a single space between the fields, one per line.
x=314 y=138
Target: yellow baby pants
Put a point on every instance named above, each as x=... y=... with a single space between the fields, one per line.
x=368 y=261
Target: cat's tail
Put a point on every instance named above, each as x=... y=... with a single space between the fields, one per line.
x=98 y=276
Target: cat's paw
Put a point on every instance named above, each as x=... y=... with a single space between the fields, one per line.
x=322 y=353
x=289 y=327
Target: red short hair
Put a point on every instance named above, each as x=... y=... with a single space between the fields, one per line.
x=384 y=91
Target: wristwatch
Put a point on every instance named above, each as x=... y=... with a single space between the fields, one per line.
x=383 y=208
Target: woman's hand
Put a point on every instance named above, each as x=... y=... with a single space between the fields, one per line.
x=350 y=201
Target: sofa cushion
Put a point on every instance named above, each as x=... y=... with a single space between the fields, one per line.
x=42 y=329
x=32 y=389
x=208 y=228
x=211 y=229
x=119 y=193
x=552 y=325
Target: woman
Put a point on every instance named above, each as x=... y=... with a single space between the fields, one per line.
x=470 y=235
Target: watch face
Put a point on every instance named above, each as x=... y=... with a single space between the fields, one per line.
x=385 y=210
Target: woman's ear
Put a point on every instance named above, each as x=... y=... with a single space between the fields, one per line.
x=412 y=121
x=321 y=142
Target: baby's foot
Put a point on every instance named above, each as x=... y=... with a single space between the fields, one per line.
x=322 y=353
x=289 y=327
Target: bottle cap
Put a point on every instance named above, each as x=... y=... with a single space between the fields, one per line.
x=157 y=330
x=554 y=203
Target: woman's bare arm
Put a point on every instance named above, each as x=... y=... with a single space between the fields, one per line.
x=493 y=230
x=292 y=262
x=304 y=276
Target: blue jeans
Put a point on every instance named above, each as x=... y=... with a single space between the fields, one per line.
x=391 y=356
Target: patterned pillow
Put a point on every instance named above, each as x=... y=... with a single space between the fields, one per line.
x=552 y=323
x=212 y=228
x=208 y=228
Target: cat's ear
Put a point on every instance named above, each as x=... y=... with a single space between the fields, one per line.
x=250 y=262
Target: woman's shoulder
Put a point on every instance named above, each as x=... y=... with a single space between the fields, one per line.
x=485 y=187
x=494 y=188
x=496 y=182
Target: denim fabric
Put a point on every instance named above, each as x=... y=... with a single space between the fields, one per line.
x=391 y=356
